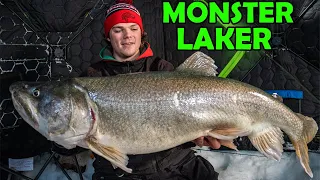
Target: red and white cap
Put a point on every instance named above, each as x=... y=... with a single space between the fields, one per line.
x=122 y=12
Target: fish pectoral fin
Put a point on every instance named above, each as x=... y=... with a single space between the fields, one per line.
x=228 y=133
x=117 y=158
x=302 y=153
x=268 y=142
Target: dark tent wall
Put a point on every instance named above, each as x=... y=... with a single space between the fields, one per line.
x=39 y=41
x=49 y=40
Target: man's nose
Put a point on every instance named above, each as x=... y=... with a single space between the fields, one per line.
x=127 y=33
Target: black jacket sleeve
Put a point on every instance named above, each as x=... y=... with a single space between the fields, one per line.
x=165 y=65
x=158 y=64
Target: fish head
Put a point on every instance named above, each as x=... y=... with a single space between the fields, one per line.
x=57 y=110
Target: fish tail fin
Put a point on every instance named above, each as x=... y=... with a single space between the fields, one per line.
x=310 y=128
x=302 y=153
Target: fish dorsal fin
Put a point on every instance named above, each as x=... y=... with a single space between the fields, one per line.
x=199 y=63
x=277 y=97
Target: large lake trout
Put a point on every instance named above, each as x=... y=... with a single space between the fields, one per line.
x=149 y=112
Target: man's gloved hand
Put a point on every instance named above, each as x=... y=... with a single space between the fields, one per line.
x=207 y=141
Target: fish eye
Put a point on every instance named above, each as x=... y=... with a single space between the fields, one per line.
x=36 y=93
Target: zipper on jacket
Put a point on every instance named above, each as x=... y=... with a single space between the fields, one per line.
x=129 y=68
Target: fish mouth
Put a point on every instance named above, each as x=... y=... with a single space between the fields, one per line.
x=22 y=104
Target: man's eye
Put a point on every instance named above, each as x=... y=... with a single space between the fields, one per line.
x=117 y=30
x=135 y=29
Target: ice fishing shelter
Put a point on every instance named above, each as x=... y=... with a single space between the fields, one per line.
x=48 y=40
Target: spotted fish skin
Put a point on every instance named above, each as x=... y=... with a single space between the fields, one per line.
x=149 y=112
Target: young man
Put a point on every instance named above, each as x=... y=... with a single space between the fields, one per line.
x=128 y=52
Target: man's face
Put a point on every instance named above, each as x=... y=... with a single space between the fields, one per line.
x=125 y=39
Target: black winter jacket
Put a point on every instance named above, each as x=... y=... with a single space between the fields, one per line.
x=144 y=63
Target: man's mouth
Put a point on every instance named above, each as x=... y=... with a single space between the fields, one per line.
x=126 y=44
